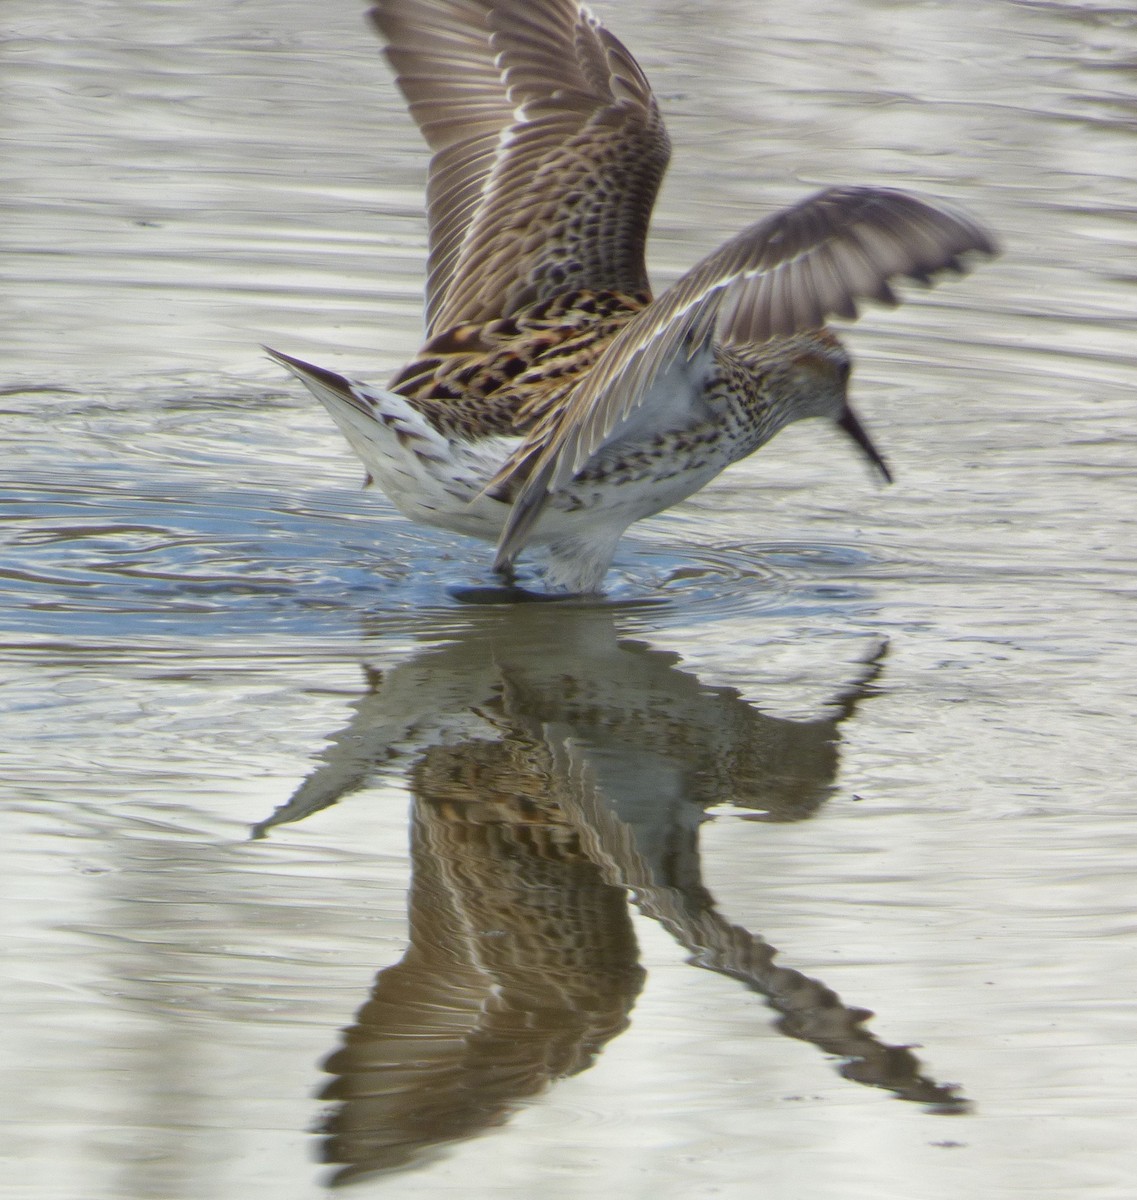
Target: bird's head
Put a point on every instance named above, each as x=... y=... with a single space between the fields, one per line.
x=816 y=379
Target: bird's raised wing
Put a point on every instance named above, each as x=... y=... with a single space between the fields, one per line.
x=548 y=150
x=783 y=275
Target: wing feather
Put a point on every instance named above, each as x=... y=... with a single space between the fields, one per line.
x=783 y=275
x=548 y=151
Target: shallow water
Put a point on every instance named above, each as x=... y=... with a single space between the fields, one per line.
x=308 y=857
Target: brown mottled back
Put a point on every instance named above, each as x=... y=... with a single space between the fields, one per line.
x=498 y=378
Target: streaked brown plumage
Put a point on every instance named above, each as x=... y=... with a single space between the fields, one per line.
x=555 y=401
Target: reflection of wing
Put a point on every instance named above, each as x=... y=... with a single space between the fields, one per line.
x=785 y=274
x=522 y=965
x=548 y=151
x=661 y=869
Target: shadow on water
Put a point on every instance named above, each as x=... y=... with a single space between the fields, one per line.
x=555 y=769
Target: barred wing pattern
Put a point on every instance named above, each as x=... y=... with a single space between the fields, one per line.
x=548 y=151
x=782 y=275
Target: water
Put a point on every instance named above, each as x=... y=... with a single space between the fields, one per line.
x=305 y=857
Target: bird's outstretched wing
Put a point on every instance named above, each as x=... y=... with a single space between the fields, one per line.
x=548 y=151
x=782 y=275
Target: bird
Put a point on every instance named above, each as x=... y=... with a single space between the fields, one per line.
x=556 y=399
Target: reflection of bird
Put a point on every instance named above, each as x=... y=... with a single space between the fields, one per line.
x=555 y=401
x=554 y=769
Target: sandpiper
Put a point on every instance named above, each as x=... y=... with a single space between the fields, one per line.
x=555 y=400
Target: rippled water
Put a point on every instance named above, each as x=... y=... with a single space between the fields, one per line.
x=308 y=857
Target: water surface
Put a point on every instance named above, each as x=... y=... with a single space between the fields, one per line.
x=305 y=858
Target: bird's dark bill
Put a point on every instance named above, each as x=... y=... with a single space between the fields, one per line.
x=853 y=427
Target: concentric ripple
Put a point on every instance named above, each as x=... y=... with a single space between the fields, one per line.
x=179 y=515
x=134 y=557
x=729 y=579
